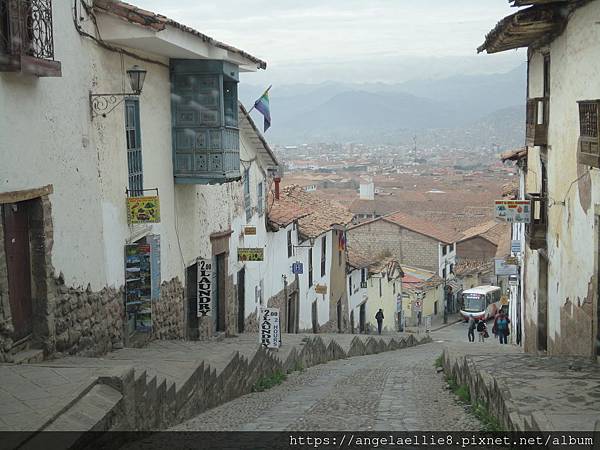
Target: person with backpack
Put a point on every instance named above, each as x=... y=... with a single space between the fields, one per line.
x=501 y=327
x=482 y=330
x=471 y=333
x=379 y=318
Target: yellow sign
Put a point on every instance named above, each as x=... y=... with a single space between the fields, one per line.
x=504 y=300
x=511 y=260
x=250 y=254
x=321 y=289
x=143 y=209
x=249 y=231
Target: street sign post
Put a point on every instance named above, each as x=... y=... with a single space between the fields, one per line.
x=297 y=268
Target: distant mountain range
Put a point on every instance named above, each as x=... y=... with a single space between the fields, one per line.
x=475 y=109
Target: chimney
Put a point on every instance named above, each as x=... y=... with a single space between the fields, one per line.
x=277 y=181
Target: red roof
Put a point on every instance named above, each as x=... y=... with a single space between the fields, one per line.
x=421 y=226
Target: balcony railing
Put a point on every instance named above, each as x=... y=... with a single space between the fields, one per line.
x=535 y=231
x=537 y=116
x=589 y=134
x=26 y=37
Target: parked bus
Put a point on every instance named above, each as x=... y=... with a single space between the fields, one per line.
x=481 y=302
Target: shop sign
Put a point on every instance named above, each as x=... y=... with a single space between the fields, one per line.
x=502 y=268
x=138 y=286
x=297 y=268
x=250 y=254
x=204 y=288
x=269 y=330
x=511 y=260
x=143 y=209
x=363 y=284
x=249 y=231
x=515 y=246
x=321 y=289
x=513 y=211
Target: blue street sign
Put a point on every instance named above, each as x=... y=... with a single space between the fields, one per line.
x=297 y=268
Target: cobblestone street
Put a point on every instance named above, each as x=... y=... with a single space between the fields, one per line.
x=399 y=390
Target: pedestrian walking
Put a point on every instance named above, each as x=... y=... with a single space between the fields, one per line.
x=379 y=317
x=482 y=330
x=501 y=327
x=472 y=325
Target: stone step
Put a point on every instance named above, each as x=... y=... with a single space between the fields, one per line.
x=28 y=356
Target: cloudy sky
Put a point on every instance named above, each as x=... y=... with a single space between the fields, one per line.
x=350 y=40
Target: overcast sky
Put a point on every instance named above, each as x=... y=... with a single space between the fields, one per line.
x=350 y=40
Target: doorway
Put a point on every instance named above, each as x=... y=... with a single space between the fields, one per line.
x=220 y=294
x=352 y=321
x=339 y=315
x=315 y=320
x=362 y=318
x=542 y=322
x=241 y=295
x=292 y=313
x=15 y=218
x=192 y=300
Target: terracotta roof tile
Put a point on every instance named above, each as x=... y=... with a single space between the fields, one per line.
x=491 y=231
x=315 y=215
x=421 y=226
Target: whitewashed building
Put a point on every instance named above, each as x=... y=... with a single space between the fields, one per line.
x=83 y=143
x=561 y=308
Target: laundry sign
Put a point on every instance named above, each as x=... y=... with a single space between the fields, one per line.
x=269 y=330
x=204 y=288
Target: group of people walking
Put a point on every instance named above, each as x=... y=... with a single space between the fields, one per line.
x=500 y=328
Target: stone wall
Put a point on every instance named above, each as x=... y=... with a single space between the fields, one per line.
x=410 y=248
x=277 y=301
x=87 y=323
x=168 y=314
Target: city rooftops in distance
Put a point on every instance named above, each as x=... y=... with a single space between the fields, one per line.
x=157 y=34
x=314 y=214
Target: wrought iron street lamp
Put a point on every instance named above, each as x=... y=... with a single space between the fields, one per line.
x=104 y=104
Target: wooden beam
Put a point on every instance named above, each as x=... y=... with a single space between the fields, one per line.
x=27 y=194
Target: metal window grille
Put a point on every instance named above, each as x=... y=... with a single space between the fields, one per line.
x=260 y=200
x=134 y=147
x=26 y=28
x=323 y=255
x=588 y=119
x=247 y=199
x=310 y=267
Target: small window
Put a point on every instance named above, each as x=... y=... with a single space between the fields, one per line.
x=134 y=147
x=444 y=273
x=230 y=103
x=394 y=286
x=589 y=133
x=363 y=276
x=443 y=249
x=247 y=199
x=290 y=248
x=310 y=267
x=350 y=284
x=380 y=288
x=323 y=255
x=260 y=199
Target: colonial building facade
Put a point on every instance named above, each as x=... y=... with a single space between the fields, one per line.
x=561 y=257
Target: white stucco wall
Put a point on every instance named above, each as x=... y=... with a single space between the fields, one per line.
x=572 y=237
x=307 y=294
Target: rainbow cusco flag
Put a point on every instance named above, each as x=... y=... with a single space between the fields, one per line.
x=262 y=105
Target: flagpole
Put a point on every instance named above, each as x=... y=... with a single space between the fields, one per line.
x=270 y=86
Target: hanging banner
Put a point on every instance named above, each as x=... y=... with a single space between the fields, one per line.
x=138 y=286
x=513 y=211
x=204 y=288
x=250 y=254
x=269 y=331
x=143 y=209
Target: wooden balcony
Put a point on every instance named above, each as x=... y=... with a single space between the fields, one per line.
x=537 y=115
x=589 y=135
x=535 y=231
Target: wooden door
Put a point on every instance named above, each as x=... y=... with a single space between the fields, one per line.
x=241 y=294
x=315 y=320
x=362 y=319
x=221 y=295
x=339 y=315
x=16 y=244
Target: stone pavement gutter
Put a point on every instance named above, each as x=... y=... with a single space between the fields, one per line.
x=162 y=384
x=526 y=392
